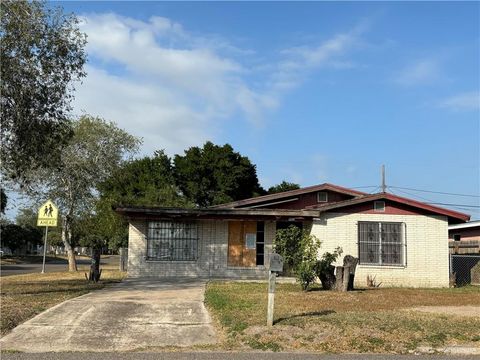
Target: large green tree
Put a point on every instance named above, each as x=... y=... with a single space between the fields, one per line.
x=148 y=181
x=42 y=54
x=215 y=174
x=95 y=150
x=283 y=186
x=23 y=232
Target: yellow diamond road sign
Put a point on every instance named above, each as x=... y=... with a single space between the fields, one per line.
x=47 y=214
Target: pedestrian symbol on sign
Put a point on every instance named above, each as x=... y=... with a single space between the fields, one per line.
x=47 y=214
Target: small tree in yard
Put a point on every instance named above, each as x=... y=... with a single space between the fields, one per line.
x=95 y=150
x=299 y=250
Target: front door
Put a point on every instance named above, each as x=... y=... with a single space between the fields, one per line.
x=242 y=243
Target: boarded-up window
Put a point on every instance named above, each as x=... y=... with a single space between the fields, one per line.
x=172 y=241
x=246 y=243
x=381 y=243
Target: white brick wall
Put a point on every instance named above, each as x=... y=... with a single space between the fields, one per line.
x=212 y=254
x=427 y=259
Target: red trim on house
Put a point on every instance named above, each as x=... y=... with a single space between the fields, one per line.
x=291 y=193
x=406 y=206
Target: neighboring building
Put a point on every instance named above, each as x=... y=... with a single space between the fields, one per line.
x=464 y=232
x=398 y=240
x=464 y=238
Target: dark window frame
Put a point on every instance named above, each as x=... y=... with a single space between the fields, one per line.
x=260 y=244
x=457 y=237
x=172 y=241
x=382 y=243
x=322 y=193
x=378 y=208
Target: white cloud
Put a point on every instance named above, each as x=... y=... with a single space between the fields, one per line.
x=174 y=89
x=424 y=71
x=143 y=109
x=299 y=61
x=468 y=101
x=160 y=83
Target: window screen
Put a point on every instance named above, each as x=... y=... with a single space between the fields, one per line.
x=380 y=243
x=172 y=241
x=379 y=206
x=322 y=196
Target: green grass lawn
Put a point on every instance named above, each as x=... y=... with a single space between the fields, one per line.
x=373 y=320
x=24 y=296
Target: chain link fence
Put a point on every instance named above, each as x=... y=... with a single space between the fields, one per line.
x=461 y=267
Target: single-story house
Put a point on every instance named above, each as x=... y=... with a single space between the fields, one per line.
x=400 y=241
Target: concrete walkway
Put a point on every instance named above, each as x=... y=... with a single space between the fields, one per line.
x=135 y=314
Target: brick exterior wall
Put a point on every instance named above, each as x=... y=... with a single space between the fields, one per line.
x=427 y=258
x=212 y=254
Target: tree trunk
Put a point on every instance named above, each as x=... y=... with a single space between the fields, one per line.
x=123 y=259
x=66 y=239
x=346 y=278
x=350 y=262
x=339 y=278
x=345 y=275
x=95 y=271
x=327 y=278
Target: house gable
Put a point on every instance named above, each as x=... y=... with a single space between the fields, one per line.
x=394 y=205
x=296 y=199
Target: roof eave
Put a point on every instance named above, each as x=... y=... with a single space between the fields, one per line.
x=132 y=212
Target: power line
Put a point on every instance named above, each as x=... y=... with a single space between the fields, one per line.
x=410 y=194
x=464 y=205
x=431 y=202
x=435 y=192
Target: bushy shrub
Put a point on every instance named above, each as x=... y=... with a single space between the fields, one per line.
x=305 y=274
x=287 y=244
x=299 y=250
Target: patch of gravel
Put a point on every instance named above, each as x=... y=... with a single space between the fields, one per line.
x=469 y=311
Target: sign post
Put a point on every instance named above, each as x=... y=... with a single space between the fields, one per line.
x=47 y=216
x=276 y=265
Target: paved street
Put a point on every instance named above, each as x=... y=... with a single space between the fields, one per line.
x=134 y=314
x=222 y=356
x=51 y=266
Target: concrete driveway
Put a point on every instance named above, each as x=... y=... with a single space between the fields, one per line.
x=134 y=314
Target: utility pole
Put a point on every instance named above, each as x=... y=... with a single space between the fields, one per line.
x=384 y=187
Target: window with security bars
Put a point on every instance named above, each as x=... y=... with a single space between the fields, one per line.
x=172 y=241
x=381 y=243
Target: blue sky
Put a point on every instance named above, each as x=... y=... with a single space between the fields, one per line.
x=310 y=92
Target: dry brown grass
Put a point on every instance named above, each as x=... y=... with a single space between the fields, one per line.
x=372 y=320
x=24 y=296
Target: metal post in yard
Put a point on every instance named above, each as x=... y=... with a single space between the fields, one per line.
x=44 y=249
x=276 y=264
x=271 y=297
